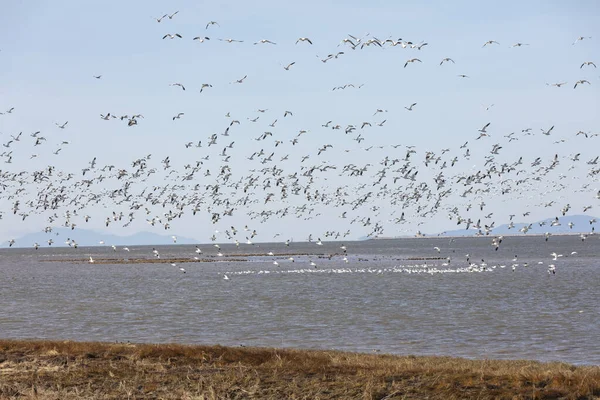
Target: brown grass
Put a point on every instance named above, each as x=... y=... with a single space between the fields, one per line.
x=74 y=370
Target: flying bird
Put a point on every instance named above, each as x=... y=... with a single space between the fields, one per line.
x=177 y=84
x=580 y=38
x=581 y=82
x=412 y=60
x=172 y=36
x=263 y=41
x=587 y=63
x=160 y=18
x=490 y=42
x=304 y=39
x=287 y=67
x=240 y=80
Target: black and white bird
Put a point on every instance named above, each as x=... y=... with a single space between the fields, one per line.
x=304 y=39
x=172 y=36
x=177 y=84
x=490 y=42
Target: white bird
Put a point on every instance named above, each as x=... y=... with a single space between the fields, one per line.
x=240 y=80
x=263 y=41
x=91 y=260
x=304 y=39
x=490 y=42
x=587 y=63
x=177 y=84
x=412 y=60
x=172 y=36
x=225 y=277
x=580 y=38
x=581 y=82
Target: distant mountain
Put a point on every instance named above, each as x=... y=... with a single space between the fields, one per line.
x=581 y=224
x=85 y=237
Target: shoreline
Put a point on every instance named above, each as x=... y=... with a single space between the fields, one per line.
x=74 y=370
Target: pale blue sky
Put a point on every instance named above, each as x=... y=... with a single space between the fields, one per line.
x=50 y=52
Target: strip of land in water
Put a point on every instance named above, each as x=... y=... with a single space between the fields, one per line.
x=78 y=370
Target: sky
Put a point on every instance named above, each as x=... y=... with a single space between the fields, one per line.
x=51 y=51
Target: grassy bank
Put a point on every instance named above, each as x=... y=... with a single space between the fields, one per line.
x=74 y=370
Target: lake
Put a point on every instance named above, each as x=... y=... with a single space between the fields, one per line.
x=398 y=296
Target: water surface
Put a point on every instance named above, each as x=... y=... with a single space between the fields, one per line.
x=380 y=300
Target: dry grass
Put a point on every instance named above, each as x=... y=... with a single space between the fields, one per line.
x=74 y=370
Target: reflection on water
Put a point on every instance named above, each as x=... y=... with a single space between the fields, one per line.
x=378 y=300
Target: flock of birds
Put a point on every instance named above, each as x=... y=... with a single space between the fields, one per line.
x=275 y=176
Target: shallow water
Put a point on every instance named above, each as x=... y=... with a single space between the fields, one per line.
x=378 y=301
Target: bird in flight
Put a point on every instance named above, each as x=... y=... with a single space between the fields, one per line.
x=160 y=18
x=412 y=60
x=240 y=80
x=263 y=41
x=172 y=36
x=490 y=42
x=446 y=60
x=483 y=130
x=178 y=116
x=411 y=107
x=231 y=40
x=304 y=39
x=172 y=15
x=556 y=84
x=177 y=84
x=588 y=63
x=205 y=85
x=212 y=23
x=580 y=38
x=581 y=82
x=287 y=67
x=61 y=126
x=100 y=76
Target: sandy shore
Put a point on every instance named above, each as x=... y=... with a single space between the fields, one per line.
x=75 y=370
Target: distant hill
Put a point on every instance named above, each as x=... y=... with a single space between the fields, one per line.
x=581 y=224
x=85 y=237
